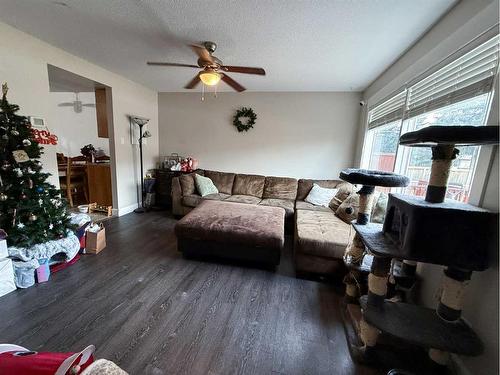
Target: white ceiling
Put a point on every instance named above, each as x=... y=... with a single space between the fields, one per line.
x=308 y=45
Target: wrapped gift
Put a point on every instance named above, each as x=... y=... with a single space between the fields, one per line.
x=3 y=249
x=43 y=271
x=7 y=283
x=96 y=239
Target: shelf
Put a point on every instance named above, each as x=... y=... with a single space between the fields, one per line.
x=423 y=327
x=363 y=267
x=376 y=242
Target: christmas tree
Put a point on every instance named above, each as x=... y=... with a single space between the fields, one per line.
x=31 y=209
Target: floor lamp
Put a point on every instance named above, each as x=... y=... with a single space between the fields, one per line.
x=140 y=121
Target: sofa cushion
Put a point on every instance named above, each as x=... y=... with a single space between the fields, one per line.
x=280 y=188
x=249 y=184
x=191 y=200
x=348 y=210
x=305 y=186
x=321 y=234
x=302 y=205
x=204 y=185
x=222 y=180
x=188 y=185
x=216 y=197
x=248 y=199
x=283 y=203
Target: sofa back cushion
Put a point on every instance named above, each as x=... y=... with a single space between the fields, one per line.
x=222 y=180
x=249 y=184
x=305 y=186
x=280 y=187
x=187 y=182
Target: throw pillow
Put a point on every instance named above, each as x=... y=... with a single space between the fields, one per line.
x=379 y=208
x=344 y=190
x=320 y=196
x=348 y=210
x=204 y=185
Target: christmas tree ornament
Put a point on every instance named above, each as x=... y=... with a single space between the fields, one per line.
x=32 y=217
x=3 y=197
x=30 y=183
x=39 y=189
x=20 y=156
x=18 y=172
x=20 y=225
x=14 y=132
x=24 y=196
x=26 y=142
x=5 y=165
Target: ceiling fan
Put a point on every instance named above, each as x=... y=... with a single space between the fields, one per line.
x=76 y=104
x=213 y=70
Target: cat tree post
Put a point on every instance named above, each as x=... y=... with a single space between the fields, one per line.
x=377 y=278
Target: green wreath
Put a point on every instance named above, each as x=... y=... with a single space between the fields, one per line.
x=244 y=112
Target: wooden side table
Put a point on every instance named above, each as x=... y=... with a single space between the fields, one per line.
x=163 y=187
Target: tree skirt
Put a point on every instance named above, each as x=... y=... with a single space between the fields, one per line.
x=26 y=259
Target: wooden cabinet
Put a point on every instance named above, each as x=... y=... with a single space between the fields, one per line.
x=163 y=187
x=99 y=184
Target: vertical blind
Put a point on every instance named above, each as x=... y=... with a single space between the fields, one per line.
x=469 y=75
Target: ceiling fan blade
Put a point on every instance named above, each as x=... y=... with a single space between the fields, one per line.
x=172 y=64
x=66 y=104
x=192 y=84
x=88 y=105
x=244 y=69
x=231 y=82
x=202 y=53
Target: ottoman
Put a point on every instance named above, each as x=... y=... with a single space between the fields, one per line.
x=234 y=231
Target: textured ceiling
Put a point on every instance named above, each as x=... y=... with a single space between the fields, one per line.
x=320 y=45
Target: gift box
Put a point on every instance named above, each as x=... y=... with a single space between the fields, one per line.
x=3 y=249
x=95 y=240
x=43 y=272
x=7 y=283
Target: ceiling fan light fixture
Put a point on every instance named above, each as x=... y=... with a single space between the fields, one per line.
x=210 y=77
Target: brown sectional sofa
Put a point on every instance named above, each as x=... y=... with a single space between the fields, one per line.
x=320 y=236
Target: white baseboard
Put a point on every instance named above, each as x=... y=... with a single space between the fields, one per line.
x=126 y=210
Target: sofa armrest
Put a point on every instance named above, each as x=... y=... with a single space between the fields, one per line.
x=177 y=208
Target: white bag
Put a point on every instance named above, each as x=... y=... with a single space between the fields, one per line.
x=7 y=283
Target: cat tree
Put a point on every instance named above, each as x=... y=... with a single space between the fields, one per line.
x=432 y=230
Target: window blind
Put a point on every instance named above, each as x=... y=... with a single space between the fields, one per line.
x=470 y=75
x=388 y=111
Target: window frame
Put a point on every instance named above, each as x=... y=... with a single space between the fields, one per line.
x=485 y=154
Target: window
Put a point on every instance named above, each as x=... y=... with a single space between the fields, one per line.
x=457 y=94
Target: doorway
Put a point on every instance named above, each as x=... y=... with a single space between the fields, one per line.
x=82 y=123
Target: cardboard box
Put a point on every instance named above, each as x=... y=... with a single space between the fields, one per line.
x=95 y=241
x=3 y=249
x=7 y=283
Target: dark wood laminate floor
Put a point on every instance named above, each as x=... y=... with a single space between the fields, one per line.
x=152 y=312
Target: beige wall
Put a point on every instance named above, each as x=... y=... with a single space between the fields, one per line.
x=463 y=23
x=23 y=64
x=296 y=134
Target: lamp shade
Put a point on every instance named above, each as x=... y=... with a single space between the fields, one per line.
x=210 y=77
